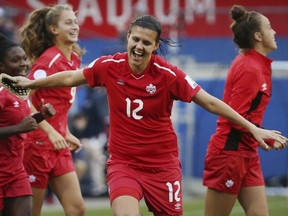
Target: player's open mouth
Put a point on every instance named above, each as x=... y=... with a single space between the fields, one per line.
x=74 y=34
x=137 y=54
x=23 y=72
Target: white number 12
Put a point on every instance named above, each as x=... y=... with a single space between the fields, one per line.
x=136 y=110
x=173 y=195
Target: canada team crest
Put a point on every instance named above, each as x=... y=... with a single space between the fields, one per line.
x=151 y=89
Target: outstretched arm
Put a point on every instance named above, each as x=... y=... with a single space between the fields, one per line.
x=61 y=79
x=218 y=107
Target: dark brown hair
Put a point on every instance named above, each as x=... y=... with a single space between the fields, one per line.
x=5 y=45
x=244 y=25
x=150 y=22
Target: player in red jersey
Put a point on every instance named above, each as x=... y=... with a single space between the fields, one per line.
x=141 y=88
x=232 y=165
x=49 y=38
x=15 y=122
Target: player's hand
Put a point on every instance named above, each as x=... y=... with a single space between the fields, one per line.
x=22 y=82
x=262 y=134
x=278 y=146
x=57 y=140
x=73 y=142
x=27 y=124
x=47 y=110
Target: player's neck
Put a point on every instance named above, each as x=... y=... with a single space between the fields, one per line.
x=65 y=49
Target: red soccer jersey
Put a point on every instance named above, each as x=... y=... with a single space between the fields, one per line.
x=12 y=111
x=50 y=62
x=140 y=108
x=248 y=91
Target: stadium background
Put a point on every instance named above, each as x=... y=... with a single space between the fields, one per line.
x=202 y=28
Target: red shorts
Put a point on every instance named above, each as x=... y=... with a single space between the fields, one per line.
x=161 y=187
x=18 y=187
x=43 y=164
x=229 y=173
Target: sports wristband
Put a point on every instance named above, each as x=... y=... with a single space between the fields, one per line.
x=38 y=117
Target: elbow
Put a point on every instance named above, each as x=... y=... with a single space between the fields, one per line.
x=211 y=108
x=67 y=82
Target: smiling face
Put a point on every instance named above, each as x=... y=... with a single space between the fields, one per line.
x=67 y=29
x=268 y=42
x=15 y=62
x=141 y=44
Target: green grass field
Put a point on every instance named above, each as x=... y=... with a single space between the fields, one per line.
x=194 y=207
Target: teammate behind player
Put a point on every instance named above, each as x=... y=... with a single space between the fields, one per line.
x=15 y=122
x=49 y=38
x=141 y=88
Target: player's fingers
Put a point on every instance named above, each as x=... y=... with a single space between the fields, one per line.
x=60 y=145
x=72 y=146
x=264 y=145
x=16 y=80
x=277 y=132
x=79 y=148
x=280 y=138
x=75 y=147
x=42 y=102
x=283 y=145
x=278 y=146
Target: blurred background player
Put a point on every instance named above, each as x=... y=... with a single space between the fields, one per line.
x=49 y=36
x=232 y=165
x=15 y=122
x=143 y=150
x=90 y=161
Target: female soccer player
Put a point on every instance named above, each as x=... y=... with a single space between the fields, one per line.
x=49 y=38
x=141 y=88
x=15 y=122
x=232 y=165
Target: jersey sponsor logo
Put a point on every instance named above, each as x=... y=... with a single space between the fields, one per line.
x=151 y=89
x=39 y=143
x=229 y=183
x=32 y=178
x=120 y=82
x=177 y=206
x=16 y=104
x=264 y=87
x=40 y=74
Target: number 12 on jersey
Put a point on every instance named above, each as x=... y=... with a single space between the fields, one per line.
x=133 y=113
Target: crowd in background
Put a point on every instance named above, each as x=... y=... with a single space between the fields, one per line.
x=89 y=121
x=7 y=24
